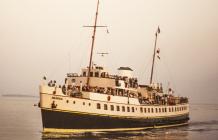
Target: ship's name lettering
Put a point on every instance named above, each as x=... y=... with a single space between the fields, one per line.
x=57 y=98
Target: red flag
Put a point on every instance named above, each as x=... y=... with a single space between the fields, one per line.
x=158 y=50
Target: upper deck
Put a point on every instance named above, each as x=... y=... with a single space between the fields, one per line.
x=122 y=88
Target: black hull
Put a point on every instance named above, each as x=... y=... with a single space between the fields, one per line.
x=73 y=120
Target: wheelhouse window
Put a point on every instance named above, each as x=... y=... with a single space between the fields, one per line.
x=163 y=110
x=73 y=80
x=152 y=110
x=159 y=109
x=96 y=74
x=169 y=109
x=123 y=108
x=148 y=110
x=145 y=110
x=98 y=106
x=118 y=108
x=84 y=74
x=91 y=74
x=105 y=106
x=112 y=107
x=156 y=110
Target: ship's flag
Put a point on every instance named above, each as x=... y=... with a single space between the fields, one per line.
x=158 y=31
x=158 y=53
x=158 y=50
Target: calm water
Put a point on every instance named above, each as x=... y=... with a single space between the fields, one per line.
x=20 y=120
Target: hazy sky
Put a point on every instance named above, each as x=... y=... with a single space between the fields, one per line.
x=46 y=37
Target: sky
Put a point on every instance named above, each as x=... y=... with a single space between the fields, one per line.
x=47 y=37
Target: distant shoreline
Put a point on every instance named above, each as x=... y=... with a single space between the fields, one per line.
x=17 y=95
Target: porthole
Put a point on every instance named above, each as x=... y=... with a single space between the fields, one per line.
x=141 y=109
x=133 y=109
x=118 y=108
x=123 y=108
x=128 y=110
x=98 y=106
x=105 y=106
x=112 y=107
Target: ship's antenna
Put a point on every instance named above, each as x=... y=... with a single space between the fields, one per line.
x=155 y=44
x=93 y=41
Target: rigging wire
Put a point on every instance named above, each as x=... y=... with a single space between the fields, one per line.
x=146 y=68
x=57 y=68
x=169 y=73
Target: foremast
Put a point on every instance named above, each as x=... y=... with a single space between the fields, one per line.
x=93 y=42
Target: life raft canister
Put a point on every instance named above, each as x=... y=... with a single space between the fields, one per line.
x=108 y=98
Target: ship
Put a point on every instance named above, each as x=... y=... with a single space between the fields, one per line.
x=96 y=100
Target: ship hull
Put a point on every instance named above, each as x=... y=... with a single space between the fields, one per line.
x=64 y=120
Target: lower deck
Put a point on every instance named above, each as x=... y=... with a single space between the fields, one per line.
x=110 y=108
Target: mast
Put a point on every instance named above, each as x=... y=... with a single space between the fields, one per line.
x=93 y=42
x=155 y=44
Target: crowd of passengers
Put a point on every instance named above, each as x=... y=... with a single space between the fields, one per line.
x=75 y=91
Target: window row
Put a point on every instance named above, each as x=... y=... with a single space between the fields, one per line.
x=142 y=110
x=117 y=108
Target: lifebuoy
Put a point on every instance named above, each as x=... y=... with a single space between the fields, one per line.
x=108 y=98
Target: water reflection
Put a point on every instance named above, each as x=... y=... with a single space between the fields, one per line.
x=176 y=133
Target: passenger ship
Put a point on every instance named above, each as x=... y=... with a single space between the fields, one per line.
x=96 y=100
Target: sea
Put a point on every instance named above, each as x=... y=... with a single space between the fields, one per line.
x=20 y=119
